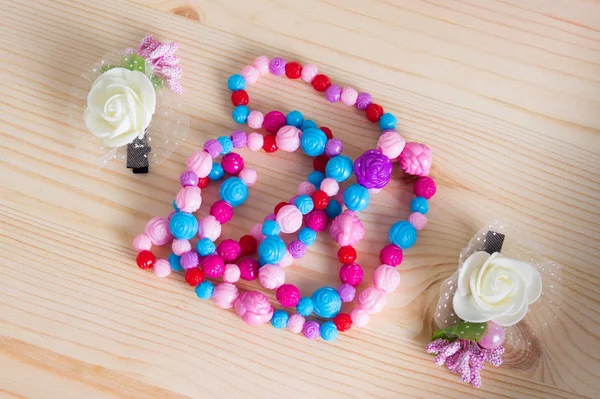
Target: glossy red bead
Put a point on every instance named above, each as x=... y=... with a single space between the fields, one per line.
x=320 y=199
x=343 y=322
x=321 y=83
x=194 y=276
x=320 y=162
x=279 y=206
x=269 y=144
x=327 y=132
x=145 y=260
x=239 y=97
x=293 y=70
x=346 y=254
x=248 y=244
x=203 y=181
x=374 y=112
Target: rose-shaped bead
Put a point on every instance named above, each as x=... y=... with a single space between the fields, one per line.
x=339 y=168
x=416 y=159
x=210 y=228
x=232 y=163
x=222 y=211
x=254 y=308
x=351 y=273
x=347 y=229
x=296 y=322
x=188 y=199
x=391 y=144
x=271 y=276
x=183 y=226
x=274 y=121
x=425 y=187
x=316 y=220
x=386 y=278
x=313 y=142
x=311 y=329
x=231 y=273
x=289 y=219
x=359 y=317
x=161 y=268
x=326 y=302
x=403 y=234
x=288 y=138
x=229 y=250
x=271 y=250
x=224 y=295
x=213 y=266
x=142 y=243
x=234 y=191
x=288 y=295
x=200 y=163
x=249 y=269
x=371 y=300
x=157 y=229
x=373 y=169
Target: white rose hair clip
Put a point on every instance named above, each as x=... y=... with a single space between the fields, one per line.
x=496 y=306
x=130 y=99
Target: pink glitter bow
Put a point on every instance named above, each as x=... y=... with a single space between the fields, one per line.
x=163 y=61
x=465 y=357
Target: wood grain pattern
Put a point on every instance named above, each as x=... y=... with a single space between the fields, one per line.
x=507 y=93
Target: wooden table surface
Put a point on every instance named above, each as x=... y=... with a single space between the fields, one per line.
x=507 y=93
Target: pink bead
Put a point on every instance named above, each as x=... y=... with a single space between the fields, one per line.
x=347 y=229
x=391 y=255
x=222 y=211
x=271 y=276
x=418 y=220
x=256 y=232
x=188 y=199
x=232 y=163
x=213 y=266
x=274 y=121
x=386 y=278
x=209 y=227
x=225 y=295
x=359 y=317
x=157 y=229
x=142 y=243
x=229 y=250
x=200 y=163
x=180 y=247
x=262 y=64
x=231 y=273
x=391 y=144
x=288 y=138
x=250 y=74
x=374 y=190
x=248 y=176
x=289 y=218
x=287 y=260
x=296 y=322
x=371 y=300
x=161 y=268
x=255 y=141
x=288 y=295
x=349 y=96
x=425 y=187
x=494 y=336
x=351 y=273
x=330 y=186
x=346 y=292
x=416 y=159
x=254 y=308
x=306 y=188
x=309 y=71
x=255 y=121
x=248 y=269
x=316 y=220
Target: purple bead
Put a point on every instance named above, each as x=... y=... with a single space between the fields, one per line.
x=311 y=329
x=334 y=147
x=363 y=100
x=239 y=139
x=293 y=200
x=270 y=217
x=171 y=215
x=188 y=178
x=189 y=260
x=346 y=292
x=373 y=169
x=213 y=147
x=297 y=248
x=277 y=66
x=333 y=93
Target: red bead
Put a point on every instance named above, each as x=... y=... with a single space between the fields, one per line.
x=321 y=83
x=279 y=206
x=145 y=260
x=203 y=181
x=194 y=276
x=320 y=199
x=248 y=244
x=327 y=132
x=293 y=70
x=269 y=144
x=239 y=97
x=343 y=322
x=374 y=112
x=320 y=162
x=346 y=254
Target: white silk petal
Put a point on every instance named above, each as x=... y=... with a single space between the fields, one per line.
x=465 y=308
x=120 y=140
x=512 y=318
x=97 y=126
x=464 y=274
x=534 y=291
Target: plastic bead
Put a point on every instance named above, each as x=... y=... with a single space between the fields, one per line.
x=274 y=121
x=330 y=186
x=289 y=219
x=205 y=290
x=250 y=74
x=313 y=142
x=280 y=319
x=205 y=247
x=145 y=259
x=343 y=322
x=248 y=244
x=239 y=139
x=288 y=295
x=351 y=273
x=295 y=323
x=419 y=204
x=271 y=250
x=363 y=100
x=346 y=254
x=277 y=66
x=309 y=124
x=271 y=276
x=256 y=232
x=229 y=250
x=161 y=268
x=425 y=187
x=295 y=119
x=320 y=163
x=279 y=206
x=321 y=82
x=270 y=228
x=327 y=132
x=254 y=308
x=249 y=269
x=387 y=121
x=216 y=173
x=360 y=318
x=418 y=220
x=320 y=199
x=334 y=209
x=391 y=144
x=316 y=178
x=297 y=249
x=403 y=234
x=339 y=168
x=183 y=226
x=175 y=262
x=225 y=295
x=188 y=178
x=255 y=120
x=316 y=220
x=374 y=112
x=334 y=147
x=311 y=329
x=143 y=243
x=189 y=260
x=194 y=276
x=391 y=255
x=157 y=229
x=209 y=227
x=306 y=188
x=293 y=70
x=234 y=191
x=373 y=169
x=262 y=64
x=304 y=203
x=222 y=211
x=248 y=176
x=347 y=229
x=349 y=96
x=307 y=235
x=494 y=336
x=236 y=82
x=200 y=162
x=386 y=278
x=288 y=138
x=309 y=71
x=371 y=300
x=203 y=182
x=240 y=114
x=333 y=93
x=416 y=159
x=305 y=306
x=356 y=198
x=232 y=163
x=328 y=331
x=213 y=266
x=188 y=199
x=347 y=292
x=326 y=302
x=227 y=145
x=213 y=147
x=270 y=143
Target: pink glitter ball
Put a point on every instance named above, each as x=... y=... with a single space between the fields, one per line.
x=232 y=273
x=425 y=187
x=347 y=229
x=213 y=266
x=232 y=163
x=371 y=300
x=248 y=176
x=416 y=159
x=188 y=199
x=274 y=121
x=248 y=269
x=225 y=295
x=222 y=211
x=250 y=74
x=142 y=243
x=271 y=276
x=296 y=322
x=288 y=295
x=229 y=250
x=255 y=141
x=351 y=273
x=418 y=220
x=386 y=278
x=359 y=317
x=180 y=247
x=391 y=255
x=254 y=308
x=316 y=220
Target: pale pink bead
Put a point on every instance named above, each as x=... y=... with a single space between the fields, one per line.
x=225 y=295
x=415 y=159
x=296 y=322
x=391 y=144
x=255 y=141
x=330 y=186
x=157 y=229
x=262 y=64
x=161 y=268
x=359 y=317
x=309 y=71
x=209 y=227
x=349 y=96
x=386 y=278
x=289 y=218
x=142 y=243
x=256 y=232
x=418 y=220
x=250 y=74
x=188 y=199
x=374 y=190
x=306 y=188
x=287 y=260
x=288 y=138
x=180 y=247
x=371 y=300
x=231 y=273
x=200 y=163
x=254 y=308
x=255 y=121
x=271 y=276
x=347 y=229
x=248 y=176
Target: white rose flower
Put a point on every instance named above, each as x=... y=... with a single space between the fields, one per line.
x=120 y=106
x=495 y=287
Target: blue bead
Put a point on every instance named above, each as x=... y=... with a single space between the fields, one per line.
x=236 y=82
x=205 y=247
x=216 y=173
x=304 y=203
x=308 y=124
x=307 y=235
x=419 y=204
x=313 y=142
x=175 y=262
x=205 y=290
x=339 y=168
x=356 y=198
x=305 y=306
x=403 y=234
x=316 y=178
x=183 y=226
x=279 y=319
x=327 y=302
x=226 y=143
x=294 y=118
x=175 y=206
x=271 y=250
x=334 y=208
x=328 y=331
x=271 y=228
x=234 y=191
x=240 y=114
x=387 y=121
